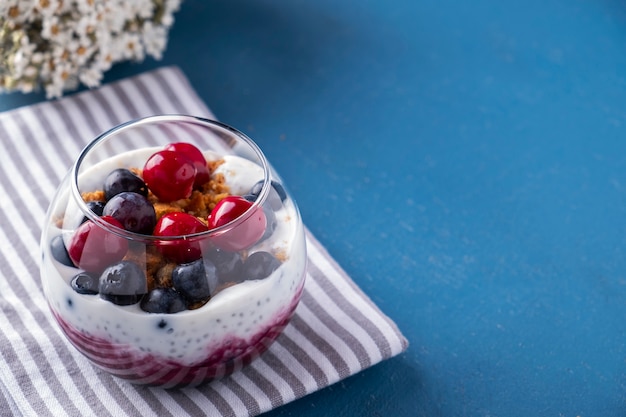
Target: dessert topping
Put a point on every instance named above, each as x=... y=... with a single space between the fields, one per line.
x=195 y=280
x=169 y=175
x=195 y=156
x=175 y=195
x=163 y=300
x=179 y=224
x=133 y=211
x=121 y=180
x=243 y=235
x=93 y=248
x=123 y=283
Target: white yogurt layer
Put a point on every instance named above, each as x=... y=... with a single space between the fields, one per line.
x=240 y=311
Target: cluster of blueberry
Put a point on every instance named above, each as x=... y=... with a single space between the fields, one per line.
x=170 y=174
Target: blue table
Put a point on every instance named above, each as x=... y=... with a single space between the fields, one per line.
x=465 y=162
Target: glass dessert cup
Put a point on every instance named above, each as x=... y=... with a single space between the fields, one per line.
x=173 y=306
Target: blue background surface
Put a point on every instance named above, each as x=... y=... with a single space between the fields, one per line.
x=465 y=162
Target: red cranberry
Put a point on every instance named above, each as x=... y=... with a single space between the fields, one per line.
x=195 y=156
x=179 y=224
x=169 y=175
x=93 y=248
x=242 y=235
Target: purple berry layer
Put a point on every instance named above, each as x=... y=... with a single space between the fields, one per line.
x=127 y=362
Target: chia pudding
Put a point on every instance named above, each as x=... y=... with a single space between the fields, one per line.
x=190 y=340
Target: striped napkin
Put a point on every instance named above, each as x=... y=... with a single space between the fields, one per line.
x=336 y=331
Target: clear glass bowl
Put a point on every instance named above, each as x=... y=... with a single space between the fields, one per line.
x=172 y=310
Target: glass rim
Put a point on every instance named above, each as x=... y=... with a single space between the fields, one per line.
x=157 y=119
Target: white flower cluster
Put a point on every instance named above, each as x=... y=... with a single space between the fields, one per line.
x=57 y=44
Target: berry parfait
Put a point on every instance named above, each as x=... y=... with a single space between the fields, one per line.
x=172 y=253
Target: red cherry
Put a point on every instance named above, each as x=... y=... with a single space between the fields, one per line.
x=169 y=175
x=93 y=248
x=242 y=235
x=195 y=156
x=179 y=224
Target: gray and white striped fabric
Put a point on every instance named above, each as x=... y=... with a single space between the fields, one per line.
x=336 y=331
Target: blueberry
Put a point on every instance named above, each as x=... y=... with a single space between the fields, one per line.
x=123 y=283
x=83 y=283
x=95 y=206
x=195 y=280
x=59 y=251
x=227 y=264
x=275 y=198
x=133 y=210
x=280 y=190
x=122 y=180
x=270 y=218
x=260 y=265
x=256 y=189
x=163 y=300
